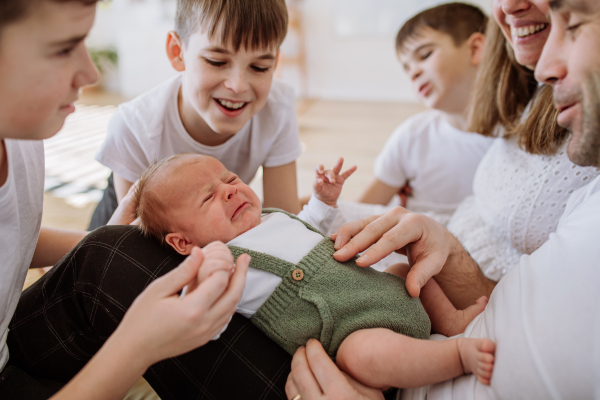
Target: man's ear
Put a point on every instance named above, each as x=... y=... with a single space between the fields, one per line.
x=476 y=47
x=179 y=242
x=175 y=51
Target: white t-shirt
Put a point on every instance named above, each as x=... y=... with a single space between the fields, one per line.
x=544 y=316
x=21 y=202
x=149 y=128
x=438 y=160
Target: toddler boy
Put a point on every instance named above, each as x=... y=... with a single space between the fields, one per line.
x=440 y=50
x=295 y=290
x=224 y=103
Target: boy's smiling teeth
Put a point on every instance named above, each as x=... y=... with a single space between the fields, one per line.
x=527 y=30
x=230 y=105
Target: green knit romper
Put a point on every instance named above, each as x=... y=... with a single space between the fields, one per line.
x=327 y=300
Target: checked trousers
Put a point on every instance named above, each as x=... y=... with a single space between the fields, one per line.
x=63 y=319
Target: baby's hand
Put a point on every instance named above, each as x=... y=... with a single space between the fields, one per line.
x=217 y=257
x=328 y=183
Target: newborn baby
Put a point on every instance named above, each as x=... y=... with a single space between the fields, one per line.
x=295 y=290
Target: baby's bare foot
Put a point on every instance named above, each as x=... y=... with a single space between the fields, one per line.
x=477 y=357
x=458 y=322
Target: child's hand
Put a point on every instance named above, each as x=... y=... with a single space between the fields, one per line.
x=328 y=183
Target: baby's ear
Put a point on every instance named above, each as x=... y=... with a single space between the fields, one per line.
x=179 y=243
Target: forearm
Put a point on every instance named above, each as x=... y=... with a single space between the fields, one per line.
x=108 y=375
x=122 y=186
x=378 y=193
x=53 y=244
x=280 y=188
x=462 y=279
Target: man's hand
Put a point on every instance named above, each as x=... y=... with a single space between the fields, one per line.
x=430 y=248
x=314 y=376
x=328 y=183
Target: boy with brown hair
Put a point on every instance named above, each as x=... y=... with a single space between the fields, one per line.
x=440 y=49
x=224 y=103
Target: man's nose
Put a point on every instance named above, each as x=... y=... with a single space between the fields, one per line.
x=552 y=65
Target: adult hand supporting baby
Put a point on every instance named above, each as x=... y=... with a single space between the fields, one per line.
x=315 y=376
x=430 y=248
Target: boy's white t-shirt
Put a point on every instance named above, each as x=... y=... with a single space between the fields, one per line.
x=21 y=202
x=435 y=158
x=149 y=128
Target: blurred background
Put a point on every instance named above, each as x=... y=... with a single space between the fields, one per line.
x=338 y=55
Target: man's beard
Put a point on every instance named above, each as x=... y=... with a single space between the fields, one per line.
x=587 y=150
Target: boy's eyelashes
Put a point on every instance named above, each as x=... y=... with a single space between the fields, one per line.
x=65 y=51
x=215 y=63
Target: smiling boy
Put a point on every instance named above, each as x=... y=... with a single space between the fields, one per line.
x=224 y=103
x=440 y=50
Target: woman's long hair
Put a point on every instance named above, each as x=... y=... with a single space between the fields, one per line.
x=503 y=90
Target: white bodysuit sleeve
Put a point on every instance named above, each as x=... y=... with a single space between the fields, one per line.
x=325 y=218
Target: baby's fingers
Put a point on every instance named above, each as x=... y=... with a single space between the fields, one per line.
x=320 y=170
x=349 y=172
x=338 y=166
x=330 y=175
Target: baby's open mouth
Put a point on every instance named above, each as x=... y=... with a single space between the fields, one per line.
x=231 y=106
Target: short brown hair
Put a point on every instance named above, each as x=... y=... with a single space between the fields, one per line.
x=149 y=207
x=459 y=20
x=252 y=24
x=504 y=90
x=12 y=11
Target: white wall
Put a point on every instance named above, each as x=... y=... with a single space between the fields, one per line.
x=339 y=67
x=347 y=68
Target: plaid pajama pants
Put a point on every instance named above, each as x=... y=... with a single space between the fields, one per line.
x=65 y=317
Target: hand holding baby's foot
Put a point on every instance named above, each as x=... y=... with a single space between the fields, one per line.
x=477 y=357
x=328 y=183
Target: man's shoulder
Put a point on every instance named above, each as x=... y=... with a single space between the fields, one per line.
x=585 y=200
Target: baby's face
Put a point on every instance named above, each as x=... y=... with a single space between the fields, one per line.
x=207 y=203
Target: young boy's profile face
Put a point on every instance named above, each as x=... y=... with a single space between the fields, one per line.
x=223 y=88
x=43 y=63
x=206 y=202
x=440 y=72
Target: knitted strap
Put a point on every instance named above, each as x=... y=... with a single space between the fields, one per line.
x=292 y=216
x=264 y=262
